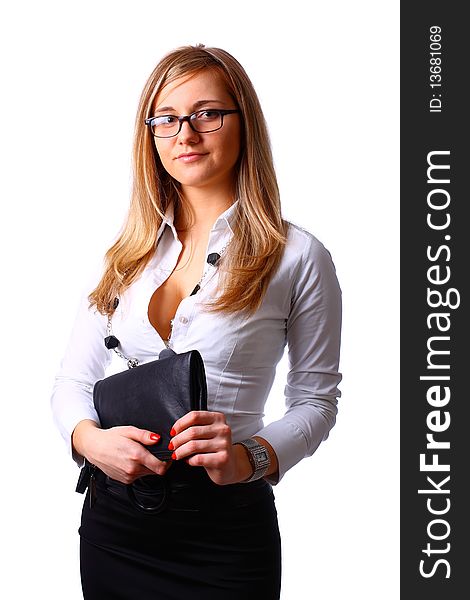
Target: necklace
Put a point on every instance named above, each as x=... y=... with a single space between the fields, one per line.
x=212 y=260
x=111 y=341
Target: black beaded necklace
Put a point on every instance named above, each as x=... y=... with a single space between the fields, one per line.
x=111 y=341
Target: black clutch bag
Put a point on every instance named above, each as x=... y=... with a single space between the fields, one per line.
x=150 y=396
x=153 y=395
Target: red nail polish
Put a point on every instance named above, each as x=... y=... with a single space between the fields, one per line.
x=170 y=446
x=172 y=432
x=155 y=437
x=173 y=456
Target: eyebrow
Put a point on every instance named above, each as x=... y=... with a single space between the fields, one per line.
x=195 y=105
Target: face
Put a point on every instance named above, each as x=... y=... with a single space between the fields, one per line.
x=199 y=160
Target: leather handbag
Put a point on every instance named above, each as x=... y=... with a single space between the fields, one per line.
x=153 y=395
x=150 y=396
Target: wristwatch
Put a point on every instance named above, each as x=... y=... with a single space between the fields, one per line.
x=259 y=458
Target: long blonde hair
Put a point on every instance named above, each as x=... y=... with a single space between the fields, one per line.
x=259 y=230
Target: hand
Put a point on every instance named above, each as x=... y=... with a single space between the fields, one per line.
x=204 y=439
x=119 y=451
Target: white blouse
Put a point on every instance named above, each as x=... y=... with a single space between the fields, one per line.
x=301 y=308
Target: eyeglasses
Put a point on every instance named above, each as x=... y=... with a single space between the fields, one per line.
x=201 y=121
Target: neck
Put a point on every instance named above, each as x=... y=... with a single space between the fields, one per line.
x=201 y=208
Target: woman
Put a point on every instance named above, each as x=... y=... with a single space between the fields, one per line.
x=204 y=261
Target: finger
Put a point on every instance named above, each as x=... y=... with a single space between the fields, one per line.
x=211 y=461
x=144 y=436
x=154 y=465
x=127 y=477
x=194 y=432
x=144 y=471
x=219 y=433
x=196 y=417
x=147 y=466
x=136 y=460
x=203 y=446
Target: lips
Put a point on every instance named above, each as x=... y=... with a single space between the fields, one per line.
x=189 y=157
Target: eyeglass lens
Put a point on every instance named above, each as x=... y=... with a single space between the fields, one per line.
x=202 y=121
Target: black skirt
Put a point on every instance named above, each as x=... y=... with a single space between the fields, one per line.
x=209 y=542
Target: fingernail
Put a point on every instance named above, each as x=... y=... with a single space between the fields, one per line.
x=172 y=432
x=155 y=437
x=173 y=456
x=170 y=446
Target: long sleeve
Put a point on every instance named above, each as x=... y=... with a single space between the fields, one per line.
x=84 y=362
x=301 y=309
x=313 y=341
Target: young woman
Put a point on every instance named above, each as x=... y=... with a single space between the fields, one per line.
x=204 y=261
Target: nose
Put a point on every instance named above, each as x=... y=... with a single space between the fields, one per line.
x=187 y=134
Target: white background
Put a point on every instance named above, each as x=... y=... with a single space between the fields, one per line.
x=71 y=76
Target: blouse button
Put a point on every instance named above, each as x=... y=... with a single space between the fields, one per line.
x=183 y=320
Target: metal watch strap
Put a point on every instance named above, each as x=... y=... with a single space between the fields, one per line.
x=259 y=458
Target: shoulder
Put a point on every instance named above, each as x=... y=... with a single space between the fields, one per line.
x=302 y=244
x=311 y=266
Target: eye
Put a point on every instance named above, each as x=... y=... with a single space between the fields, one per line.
x=165 y=121
x=208 y=115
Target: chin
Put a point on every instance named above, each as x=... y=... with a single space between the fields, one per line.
x=196 y=180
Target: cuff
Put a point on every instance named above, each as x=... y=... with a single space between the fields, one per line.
x=288 y=443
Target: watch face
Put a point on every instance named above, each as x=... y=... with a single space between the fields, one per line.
x=259 y=458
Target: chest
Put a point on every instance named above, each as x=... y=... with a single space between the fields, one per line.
x=178 y=285
x=227 y=342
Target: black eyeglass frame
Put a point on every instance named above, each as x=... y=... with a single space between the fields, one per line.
x=189 y=118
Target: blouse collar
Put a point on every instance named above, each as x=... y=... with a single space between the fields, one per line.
x=224 y=221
